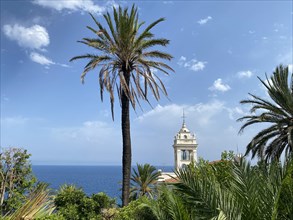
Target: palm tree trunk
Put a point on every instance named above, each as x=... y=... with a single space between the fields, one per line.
x=126 y=154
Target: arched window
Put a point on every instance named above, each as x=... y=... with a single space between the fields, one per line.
x=184 y=155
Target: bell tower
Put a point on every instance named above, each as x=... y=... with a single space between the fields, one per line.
x=185 y=147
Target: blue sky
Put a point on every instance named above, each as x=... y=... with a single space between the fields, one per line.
x=219 y=49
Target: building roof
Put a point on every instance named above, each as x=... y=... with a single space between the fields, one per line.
x=168 y=177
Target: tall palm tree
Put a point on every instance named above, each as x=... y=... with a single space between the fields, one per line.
x=271 y=142
x=127 y=59
x=143 y=180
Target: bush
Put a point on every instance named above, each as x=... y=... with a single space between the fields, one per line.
x=136 y=209
x=52 y=217
x=73 y=204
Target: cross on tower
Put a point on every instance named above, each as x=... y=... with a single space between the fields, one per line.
x=183 y=116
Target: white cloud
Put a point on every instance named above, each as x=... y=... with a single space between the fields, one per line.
x=168 y=2
x=204 y=20
x=111 y=3
x=203 y=112
x=235 y=112
x=43 y=60
x=89 y=131
x=195 y=65
x=192 y=64
x=64 y=65
x=34 y=37
x=182 y=59
x=251 y=32
x=219 y=86
x=13 y=121
x=245 y=74
x=38 y=58
x=72 y=5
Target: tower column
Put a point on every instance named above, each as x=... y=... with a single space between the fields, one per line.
x=177 y=166
x=195 y=155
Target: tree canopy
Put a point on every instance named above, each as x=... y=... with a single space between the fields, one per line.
x=128 y=57
x=16 y=178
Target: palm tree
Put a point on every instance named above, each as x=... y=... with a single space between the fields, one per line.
x=144 y=180
x=126 y=60
x=253 y=193
x=271 y=142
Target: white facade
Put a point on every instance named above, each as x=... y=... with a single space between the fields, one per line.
x=185 y=148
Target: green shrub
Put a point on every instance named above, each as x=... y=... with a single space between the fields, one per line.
x=73 y=204
x=52 y=217
x=136 y=209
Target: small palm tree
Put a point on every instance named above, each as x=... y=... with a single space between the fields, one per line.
x=271 y=142
x=127 y=59
x=143 y=180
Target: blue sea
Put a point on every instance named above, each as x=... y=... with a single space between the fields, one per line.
x=92 y=179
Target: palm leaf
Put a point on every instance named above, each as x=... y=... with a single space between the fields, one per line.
x=277 y=138
x=39 y=204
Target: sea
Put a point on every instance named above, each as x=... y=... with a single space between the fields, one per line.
x=92 y=179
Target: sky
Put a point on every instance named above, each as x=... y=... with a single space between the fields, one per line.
x=219 y=50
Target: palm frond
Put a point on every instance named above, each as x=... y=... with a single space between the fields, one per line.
x=278 y=138
x=125 y=51
x=39 y=204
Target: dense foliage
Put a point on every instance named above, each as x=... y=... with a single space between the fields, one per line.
x=127 y=57
x=230 y=189
x=73 y=204
x=250 y=192
x=270 y=143
x=16 y=178
x=136 y=210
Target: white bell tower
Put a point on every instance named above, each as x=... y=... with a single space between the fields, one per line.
x=185 y=147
